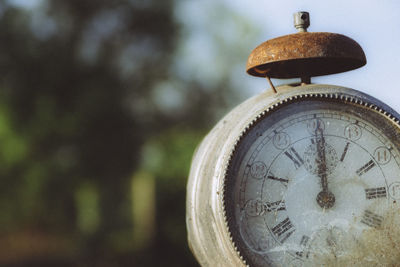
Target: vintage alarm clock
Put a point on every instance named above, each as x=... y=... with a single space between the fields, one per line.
x=303 y=174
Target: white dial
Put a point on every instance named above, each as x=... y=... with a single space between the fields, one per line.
x=307 y=182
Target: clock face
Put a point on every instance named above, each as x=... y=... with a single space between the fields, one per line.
x=310 y=181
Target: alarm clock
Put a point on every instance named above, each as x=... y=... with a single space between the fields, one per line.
x=303 y=174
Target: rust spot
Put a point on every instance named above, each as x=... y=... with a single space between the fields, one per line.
x=305 y=54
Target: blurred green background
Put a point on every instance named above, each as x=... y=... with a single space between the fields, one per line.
x=102 y=104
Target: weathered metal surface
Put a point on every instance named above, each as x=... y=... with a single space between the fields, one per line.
x=305 y=54
x=208 y=234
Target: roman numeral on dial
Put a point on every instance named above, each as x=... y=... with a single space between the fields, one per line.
x=369 y=165
x=371 y=219
x=378 y=192
x=285 y=181
x=295 y=157
x=258 y=208
x=275 y=206
x=283 y=227
x=303 y=244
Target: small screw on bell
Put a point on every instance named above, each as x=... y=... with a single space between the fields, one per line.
x=301 y=21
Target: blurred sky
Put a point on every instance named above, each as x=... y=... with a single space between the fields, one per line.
x=373 y=24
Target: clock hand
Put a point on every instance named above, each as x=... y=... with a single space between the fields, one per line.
x=322 y=158
x=325 y=198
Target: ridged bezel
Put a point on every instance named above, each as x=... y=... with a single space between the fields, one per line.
x=340 y=97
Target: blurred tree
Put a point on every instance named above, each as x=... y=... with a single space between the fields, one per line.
x=94 y=93
x=69 y=69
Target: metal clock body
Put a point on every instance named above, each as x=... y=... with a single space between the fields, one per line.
x=267 y=162
x=301 y=175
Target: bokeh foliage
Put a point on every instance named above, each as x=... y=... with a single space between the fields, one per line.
x=99 y=118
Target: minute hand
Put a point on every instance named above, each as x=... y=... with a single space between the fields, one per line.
x=325 y=198
x=321 y=159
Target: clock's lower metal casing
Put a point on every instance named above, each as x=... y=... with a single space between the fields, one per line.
x=208 y=234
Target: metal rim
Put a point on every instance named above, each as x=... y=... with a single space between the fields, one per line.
x=345 y=98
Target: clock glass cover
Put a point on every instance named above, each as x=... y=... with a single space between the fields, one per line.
x=311 y=180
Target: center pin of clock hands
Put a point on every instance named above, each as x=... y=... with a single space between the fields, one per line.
x=325 y=198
